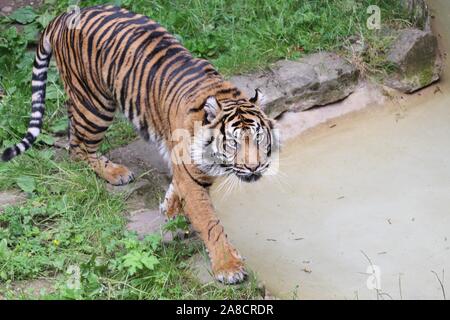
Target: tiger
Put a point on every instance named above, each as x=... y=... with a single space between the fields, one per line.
x=112 y=59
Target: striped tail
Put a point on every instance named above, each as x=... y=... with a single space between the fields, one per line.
x=38 y=85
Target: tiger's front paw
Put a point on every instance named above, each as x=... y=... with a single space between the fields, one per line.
x=231 y=271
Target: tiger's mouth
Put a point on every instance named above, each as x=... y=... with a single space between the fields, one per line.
x=250 y=177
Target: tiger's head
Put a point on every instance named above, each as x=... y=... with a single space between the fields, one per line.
x=236 y=137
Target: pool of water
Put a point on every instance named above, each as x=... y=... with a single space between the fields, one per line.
x=360 y=208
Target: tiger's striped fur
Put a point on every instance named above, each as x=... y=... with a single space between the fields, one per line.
x=114 y=59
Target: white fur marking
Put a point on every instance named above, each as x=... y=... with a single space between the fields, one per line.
x=34 y=131
x=21 y=147
x=37 y=83
x=36 y=96
x=39 y=61
x=38 y=71
x=47 y=45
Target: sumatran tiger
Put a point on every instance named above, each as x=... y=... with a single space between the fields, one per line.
x=110 y=58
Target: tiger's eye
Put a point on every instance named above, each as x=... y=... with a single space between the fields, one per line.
x=231 y=143
x=259 y=137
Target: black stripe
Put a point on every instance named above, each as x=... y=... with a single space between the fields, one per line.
x=197 y=67
x=39 y=88
x=196 y=109
x=229 y=90
x=167 y=68
x=43 y=65
x=210 y=229
x=220 y=233
x=95 y=127
x=26 y=144
x=39 y=77
x=87 y=141
x=202 y=184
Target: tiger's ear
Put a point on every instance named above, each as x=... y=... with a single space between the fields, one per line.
x=212 y=108
x=259 y=99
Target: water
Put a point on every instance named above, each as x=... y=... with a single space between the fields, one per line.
x=372 y=190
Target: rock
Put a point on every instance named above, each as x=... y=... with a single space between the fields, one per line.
x=140 y=156
x=7 y=9
x=146 y=192
x=415 y=57
x=419 y=13
x=145 y=222
x=315 y=80
x=9 y=198
x=34 y=288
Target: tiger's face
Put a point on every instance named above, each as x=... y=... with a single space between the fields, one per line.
x=237 y=138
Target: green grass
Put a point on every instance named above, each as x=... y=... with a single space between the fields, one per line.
x=69 y=218
x=243 y=35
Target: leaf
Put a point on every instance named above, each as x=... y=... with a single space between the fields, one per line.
x=30 y=33
x=53 y=92
x=150 y=262
x=45 y=19
x=4 y=251
x=45 y=138
x=26 y=183
x=60 y=126
x=152 y=241
x=24 y=15
x=137 y=260
x=132 y=262
x=47 y=154
x=26 y=62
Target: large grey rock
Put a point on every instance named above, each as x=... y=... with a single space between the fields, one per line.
x=414 y=54
x=419 y=13
x=315 y=80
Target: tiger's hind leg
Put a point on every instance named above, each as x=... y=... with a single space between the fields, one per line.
x=85 y=137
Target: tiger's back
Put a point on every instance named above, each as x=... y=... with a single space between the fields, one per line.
x=121 y=59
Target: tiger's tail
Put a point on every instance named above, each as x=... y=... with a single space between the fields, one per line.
x=38 y=86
